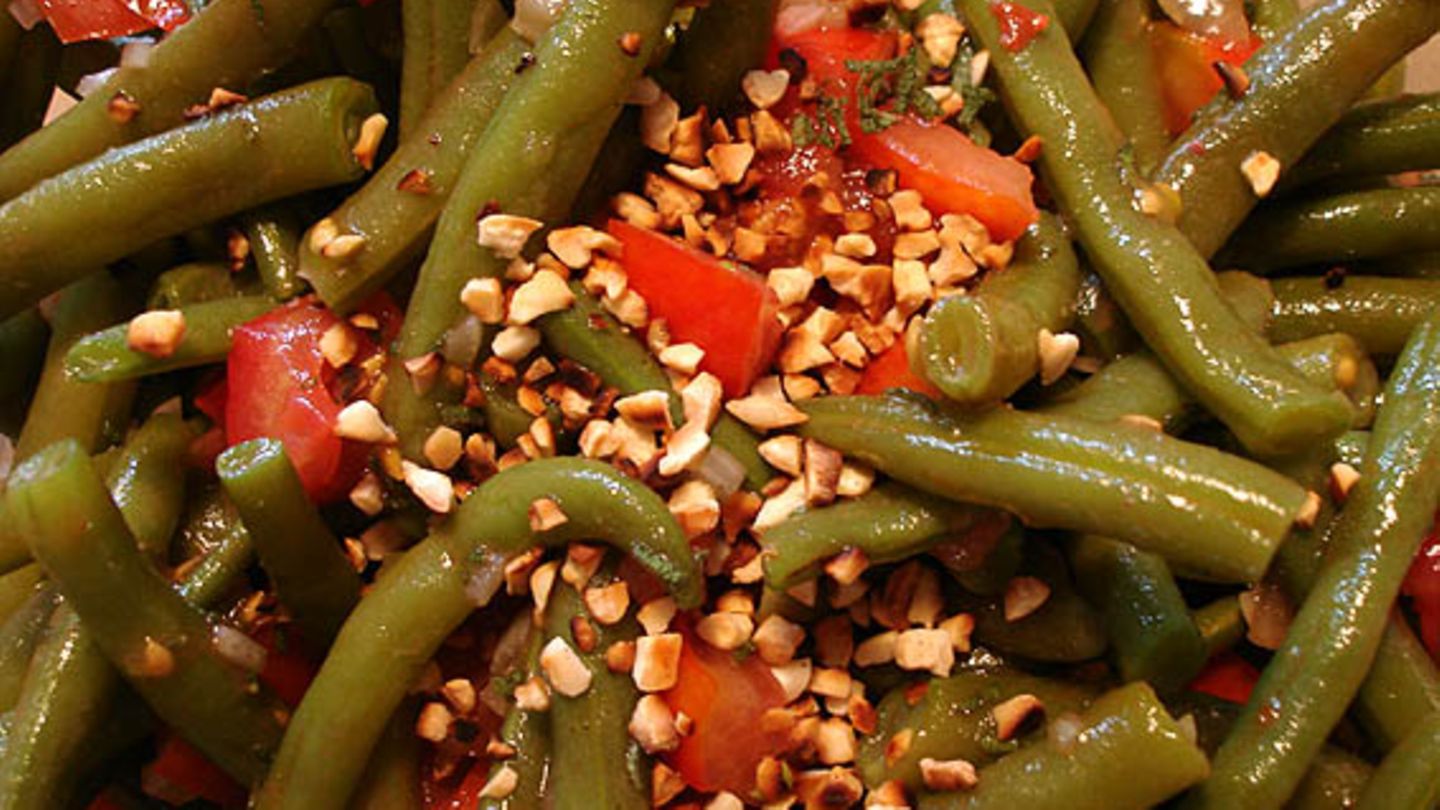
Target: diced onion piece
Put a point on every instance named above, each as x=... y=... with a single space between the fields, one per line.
x=238 y=648
x=534 y=17
x=91 y=82
x=486 y=578
x=722 y=471
x=136 y=54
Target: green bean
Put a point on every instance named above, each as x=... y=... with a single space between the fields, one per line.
x=1270 y=18
x=1416 y=265
x=1121 y=63
x=594 y=760
x=195 y=283
x=437 y=48
x=401 y=622
x=1162 y=283
x=1340 y=358
x=16 y=588
x=1300 y=84
x=147 y=480
x=229 y=44
x=1334 y=782
x=986 y=571
x=1379 y=312
x=528 y=732
x=1220 y=623
x=274 y=241
x=311 y=575
x=1104 y=331
x=981 y=348
x=395 y=211
x=1409 y=776
x=100 y=211
x=161 y=644
x=1351 y=446
x=1384 y=137
x=1076 y=474
x=392 y=779
x=953 y=720
x=1128 y=753
x=1076 y=15
x=532 y=162
x=28 y=84
x=1152 y=635
x=22 y=344
x=1346 y=227
x=590 y=336
x=505 y=420
x=1065 y=629
x=1250 y=296
x=722 y=43
x=889 y=523
x=19 y=636
x=1333 y=639
x=106 y=356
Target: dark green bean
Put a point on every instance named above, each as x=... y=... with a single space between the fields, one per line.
x=1346 y=227
x=1409 y=776
x=1341 y=359
x=100 y=211
x=1384 y=137
x=19 y=636
x=311 y=575
x=395 y=211
x=274 y=239
x=28 y=84
x=1163 y=284
x=1065 y=629
x=528 y=732
x=1379 y=312
x=106 y=356
x=1300 y=84
x=983 y=570
x=1077 y=474
x=392 y=779
x=1250 y=296
x=401 y=622
x=230 y=44
x=981 y=348
x=437 y=47
x=1121 y=63
x=1333 y=639
x=721 y=45
x=1220 y=623
x=147 y=480
x=195 y=283
x=1128 y=753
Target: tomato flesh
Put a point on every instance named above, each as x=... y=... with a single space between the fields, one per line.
x=1018 y=25
x=1186 y=65
x=726 y=310
x=1422 y=585
x=77 y=20
x=891 y=369
x=1228 y=677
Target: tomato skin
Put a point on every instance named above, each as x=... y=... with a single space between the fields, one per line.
x=1422 y=585
x=1186 y=64
x=727 y=699
x=1228 y=677
x=1018 y=25
x=689 y=288
x=181 y=774
x=77 y=20
x=891 y=369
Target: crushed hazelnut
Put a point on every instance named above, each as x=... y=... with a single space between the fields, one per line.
x=947 y=775
x=725 y=631
x=1262 y=170
x=546 y=514
x=576 y=246
x=1343 y=478
x=877 y=650
x=434 y=722
x=608 y=604
x=1309 y=511
x=434 y=489
x=506 y=234
x=765 y=413
x=652 y=724
x=1012 y=714
x=658 y=122
x=1056 y=352
x=372 y=131
x=765 y=88
x=361 y=421
x=485 y=299
x=157 y=333
x=444 y=447
x=501 y=784
x=563 y=668
x=925 y=649
x=1024 y=596
x=544 y=293
x=657 y=662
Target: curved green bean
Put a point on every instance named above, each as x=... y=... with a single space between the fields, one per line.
x=276 y=146
x=16 y=588
x=1076 y=15
x=1380 y=138
x=106 y=356
x=1162 y=283
x=1270 y=18
x=1409 y=776
x=1121 y=63
x=1220 y=623
x=436 y=49
x=981 y=348
x=274 y=239
x=1380 y=312
x=401 y=622
x=1300 y=85
x=392 y=780
x=1346 y=227
x=1335 y=781
x=195 y=283
x=528 y=732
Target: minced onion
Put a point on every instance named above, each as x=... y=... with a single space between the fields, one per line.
x=91 y=82
x=485 y=579
x=722 y=471
x=136 y=53
x=238 y=648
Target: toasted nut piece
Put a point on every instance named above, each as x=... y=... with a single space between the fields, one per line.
x=648 y=409
x=792 y=285
x=658 y=122
x=779 y=507
x=793 y=677
x=730 y=161
x=702 y=178
x=899 y=745
x=865 y=284
x=682 y=357
x=563 y=668
x=802 y=352
x=877 y=650
x=1268 y=614
x=361 y=421
x=765 y=413
x=372 y=130
x=1142 y=421
x=520 y=568
x=608 y=604
x=940 y=36
x=1013 y=713
x=542 y=580
x=783 y=453
x=833 y=683
x=514 y=343
x=1343 y=478
x=770 y=135
x=434 y=489
x=338 y=345
x=501 y=784
x=533 y=695
x=657 y=662
x=576 y=246
x=545 y=514
x=544 y=293
x=665 y=784
x=822 y=473
x=1057 y=352
x=460 y=694
x=725 y=631
x=909 y=210
x=695 y=507
x=635 y=210
x=855 y=480
x=506 y=234
x=912 y=285
x=777 y=639
x=847 y=566
x=444 y=447
x=926 y=602
x=1023 y=596
x=701 y=398
x=725 y=800
x=620 y=656
x=855 y=245
x=835 y=741
x=485 y=299
x=765 y=88
x=923 y=649
x=157 y=333
x=960 y=627
x=434 y=722
x=652 y=724
x=837 y=787
x=1261 y=169
x=950 y=774
x=684 y=450
x=688 y=146
x=1309 y=511
x=655 y=615
x=367 y=495
x=152 y=660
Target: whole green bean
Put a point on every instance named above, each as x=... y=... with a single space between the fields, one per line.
x=1191 y=504
x=1220 y=623
x=229 y=44
x=1346 y=227
x=401 y=622
x=1380 y=138
x=1121 y=63
x=311 y=575
x=1333 y=639
x=1162 y=283
x=1065 y=629
x=1335 y=781
x=392 y=779
x=1129 y=753
x=721 y=44
x=1300 y=84
x=1341 y=359
x=19 y=636
x=889 y=523
x=1076 y=15
x=274 y=239
x=437 y=47
x=981 y=348
x=276 y=146
x=161 y=644
x=106 y=356
x=396 y=209
x=1409 y=776
x=528 y=732
x=1379 y=312
x=147 y=480
x=195 y=283
x=28 y=84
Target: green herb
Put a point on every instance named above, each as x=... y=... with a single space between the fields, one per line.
x=975 y=96
x=826 y=127
x=889 y=88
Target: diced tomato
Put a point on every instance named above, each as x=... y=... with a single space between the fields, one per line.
x=954 y=175
x=1422 y=585
x=180 y=774
x=462 y=795
x=726 y=698
x=1228 y=677
x=891 y=369
x=1018 y=24
x=1186 y=65
x=76 y=20
x=287 y=672
x=726 y=310
x=825 y=52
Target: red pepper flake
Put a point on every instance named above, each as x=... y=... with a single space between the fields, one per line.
x=1018 y=24
x=121 y=108
x=1195 y=148
x=415 y=181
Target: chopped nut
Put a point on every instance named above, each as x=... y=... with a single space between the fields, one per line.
x=629 y=308
x=657 y=662
x=361 y=421
x=460 y=694
x=665 y=784
x=1012 y=714
x=338 y=345
x=434 y=489
x=514 y=343
x=855 y=480
x=725 y=800
x=152 y=660
x=563 y=668
x=950 y=774
x=940 y=36
x=444 y=447
x=372 y=130
x=802 y=351
x=545 y=514
x=684 y=450
x=730 y=161
x=695 y=507
x=520 y=568
x=765 y=413
x=652 y=724
x=770 y=135
x=1140 y=420
x=765 y=88
x=865 y=284
x=1267 y=614
x=343 y=246
x=485 y=299
x=926 y=602
x=702 y=178
x=502 y=784
x=542 y=579
x=792 y=285
x=655 y=615
x=725 y=631
x=658 y=122
x=506 y=234
x=121 y=108
x=544 y=293
x=960 y=627
x=856 y=245
x=648 y=409
x=688 y=146
x=576 y=246
x=533 y=695
x=157 y=333
x=830 y=682
x=630 y=43
x=837 y=787
x=909 y=210
x=1343 y=478
x=635 y=210
x=899 y=745
x=822 y=473
x=835 y=741
x=779 y=507
x=1309 y=511
x=416 y=181
x=777 y=639
x=1262 y=170
x=609 y=603
x=1057 y=352
x=783 y=453
x=1023 y=596
x=847 y=566
x=877 y=650
x=434 y=722
x=793 y=677
x=682 y=357
x=367 y=495
x=924 y=649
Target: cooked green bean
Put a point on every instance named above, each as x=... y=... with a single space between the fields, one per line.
x=722 y=43
x=277 y=146
x=230 y=44
x=1300 y=85
x=1122 y=67
x=195 y=283
x=19 y=635
x=1384 y=137
x=311 y=575
x=395 y=211
x=1128 y=753
x=1220 y=623
x=147 y=480
x=1335 y=781
x=1379 y=312
x=1346 y=227
x=1077 y=474
x=1162 y=283
x=1104 y=331
x=16 y=588
x=1341 y=359
x=1333 y=639
x=392 y=779
x=437 y=47
x=980 y=348
x=106 y=356
x=1075 y=15
x=274 y=241
x=1269 y=19
x=401 y=622
x=1409 y=776
x=528 y=732
x=1065 y=629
